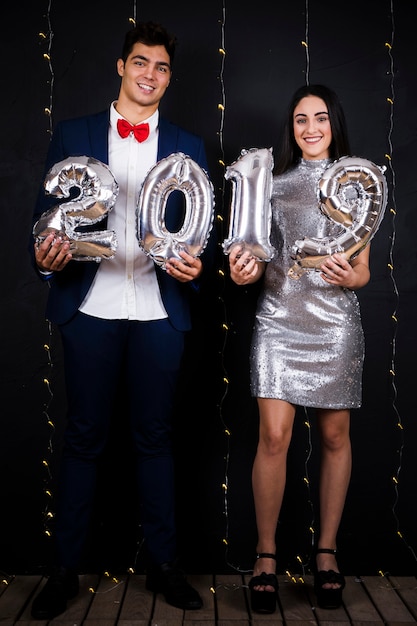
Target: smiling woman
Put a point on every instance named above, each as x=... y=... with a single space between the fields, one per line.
x=312 y=129
x=307 y=345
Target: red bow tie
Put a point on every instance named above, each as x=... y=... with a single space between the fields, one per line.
x=141 y=131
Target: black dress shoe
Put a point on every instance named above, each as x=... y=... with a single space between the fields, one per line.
x=171 y=582
x=62 y=585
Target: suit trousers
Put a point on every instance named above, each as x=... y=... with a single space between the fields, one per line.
x=97 y=352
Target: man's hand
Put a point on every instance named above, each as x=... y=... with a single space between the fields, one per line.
x=53 y=253
x=185 y=271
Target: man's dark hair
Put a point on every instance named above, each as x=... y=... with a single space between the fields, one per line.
x=150 y=34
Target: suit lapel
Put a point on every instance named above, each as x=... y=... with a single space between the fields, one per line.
x=98 y=132
x=168 y=138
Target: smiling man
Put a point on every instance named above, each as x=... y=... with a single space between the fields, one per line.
x=124 y=314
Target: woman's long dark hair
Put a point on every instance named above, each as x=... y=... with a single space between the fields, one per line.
x=289 y=152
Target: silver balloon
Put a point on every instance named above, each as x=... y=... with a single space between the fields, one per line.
x=98 y=191
x=352 y=192
x=175 y=172
x=250 y=219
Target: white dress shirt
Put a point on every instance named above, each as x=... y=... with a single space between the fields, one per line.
x=126 y=286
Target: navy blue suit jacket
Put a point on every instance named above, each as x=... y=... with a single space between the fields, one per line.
x=88 y=136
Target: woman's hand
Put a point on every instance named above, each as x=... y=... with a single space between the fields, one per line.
x=336 y=270
x=244 y=268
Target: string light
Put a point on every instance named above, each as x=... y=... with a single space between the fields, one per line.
x=48 y=37
x=117 y=582
x=307 y=424
x=306 y=481
x=6 y=579
x=305 y=44
x=393 y=212
x=48 y=514
x=132 y=20
x=221 y=107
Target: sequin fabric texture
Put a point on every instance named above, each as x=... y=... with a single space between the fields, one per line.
x=307 y=345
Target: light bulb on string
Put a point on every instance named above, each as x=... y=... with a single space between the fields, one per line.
x=133 y=19
x=224 y=327
x=305 y=43
x=390 y=100
x=48 y=514
x=47 y=56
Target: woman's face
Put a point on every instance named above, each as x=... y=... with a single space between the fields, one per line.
x=312 y=130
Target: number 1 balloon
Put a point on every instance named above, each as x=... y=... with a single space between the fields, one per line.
x=250 y=219
x=352 y=192
x=175 y=172
x=97 y=194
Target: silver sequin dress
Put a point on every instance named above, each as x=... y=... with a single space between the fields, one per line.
x=307 y=345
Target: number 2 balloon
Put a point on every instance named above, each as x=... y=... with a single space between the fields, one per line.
x=98 y=190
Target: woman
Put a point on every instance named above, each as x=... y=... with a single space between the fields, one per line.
x=307 y=346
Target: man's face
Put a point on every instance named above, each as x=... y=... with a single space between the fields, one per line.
x=145 y=75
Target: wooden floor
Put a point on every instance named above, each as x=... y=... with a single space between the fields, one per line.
x=124 y=601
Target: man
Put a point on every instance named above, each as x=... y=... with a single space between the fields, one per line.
x=126 y=312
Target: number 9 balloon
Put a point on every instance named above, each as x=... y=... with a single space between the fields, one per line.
x=250 y=219
x=97 y=194
x=352 y=192
x=174 y=172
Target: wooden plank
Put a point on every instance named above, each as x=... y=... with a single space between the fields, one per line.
x=406 y=588
x=164 y=614
x=231 y=600
x=392 y=609
x=16 y=599
x=294 y=601
x=78 y=607
x=204 y=584
x=325 y=617
x=106 y=604
x=358 y=604
x=137 y=604
x=5 y=580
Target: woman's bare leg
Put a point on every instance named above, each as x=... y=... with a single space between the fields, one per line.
x=276 y=419
x=335 y=472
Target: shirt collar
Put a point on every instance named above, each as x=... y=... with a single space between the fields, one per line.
x=152 y=120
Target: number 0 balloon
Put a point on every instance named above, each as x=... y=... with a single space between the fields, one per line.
x=97 y=194
x=352 y=192
x=175 y=172
x=250 y=219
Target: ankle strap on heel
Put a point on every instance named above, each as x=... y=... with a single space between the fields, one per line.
x=266 y=555
x=326 y=551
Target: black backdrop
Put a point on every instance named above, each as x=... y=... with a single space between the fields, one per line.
x=235 y=100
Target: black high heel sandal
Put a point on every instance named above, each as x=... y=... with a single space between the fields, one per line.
x=263 y=601
x=328 y=598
